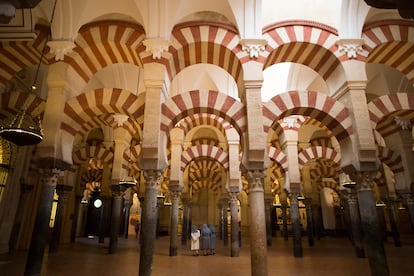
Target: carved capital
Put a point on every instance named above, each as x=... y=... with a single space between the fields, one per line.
x=156 y=47
x=404 y=123
x=253 y=46
x=120 y=119
x=60 y=48
x=350 y=46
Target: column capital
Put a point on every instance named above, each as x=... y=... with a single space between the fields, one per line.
x=253 y=46
x=60 y=48
x=364 y=180
x=156 y=47
x=351 y=47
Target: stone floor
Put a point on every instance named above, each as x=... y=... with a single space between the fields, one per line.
x=329 y=256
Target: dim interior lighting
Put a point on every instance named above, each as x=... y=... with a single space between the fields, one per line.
x=23 y=130
x=380 y=203
x=128 y=181
x=349 y=184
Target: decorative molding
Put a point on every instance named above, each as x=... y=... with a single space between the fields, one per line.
x=60 y=48
x=350 y=46
x=156 y=47
x=404 y=123
x=253 y=46
x=290 y=121
x=120 y=119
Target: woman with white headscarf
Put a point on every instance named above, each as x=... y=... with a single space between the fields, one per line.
x=195 y=240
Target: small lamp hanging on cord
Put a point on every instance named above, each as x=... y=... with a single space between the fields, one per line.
x=23 y=130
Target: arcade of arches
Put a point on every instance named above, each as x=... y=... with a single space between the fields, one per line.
x=241 y=114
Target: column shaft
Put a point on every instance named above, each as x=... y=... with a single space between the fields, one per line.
x=115 y=219
x=297 y=229
x=41 y=226
x=309 y=221
x=391 y=207
x=355 y=225
x=60 y=211
x=149 y=223
x=175 y=196
x=235 y=249
x=258 y=246
x=372 y=232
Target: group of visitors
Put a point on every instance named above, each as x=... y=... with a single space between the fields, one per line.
x=208 y=240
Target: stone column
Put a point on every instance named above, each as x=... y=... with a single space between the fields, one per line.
x=235 y=249
x=220 y=220
x=355 y=225
x=284 y=221
x=103 y=222
x=371 y=227
x=409 y=201
x=258 y=247
x=49 y=177
x=297 y=229
x=184 y=232
x=149 y=222
x=317 y=219
x=175 y=192
x=25 y=190
x=392 y=212
x=268 y=206
x=115 y=217
x=127 y=208
x=309 y=220
x=62 y=191
x=225 y=222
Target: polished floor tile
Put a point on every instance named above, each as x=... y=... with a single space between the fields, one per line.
x=329 y=256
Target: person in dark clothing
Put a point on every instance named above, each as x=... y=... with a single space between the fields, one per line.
x=205 y=239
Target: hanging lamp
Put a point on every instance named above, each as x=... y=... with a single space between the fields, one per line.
x=23 y=130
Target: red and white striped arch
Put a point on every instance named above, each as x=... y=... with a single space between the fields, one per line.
x=200 y=119
x=279 y=157
x=195 y=152
x=92 y=152
x=83 y=108
x=100 y=44
x=318 y=152
x=11 y=103
x=204 y=42
x=391 y=42
x=396 y=104
x=391 y=159
x=304 y=42
x=203 y=101
x=15 y=56
x=331 y=113
x=205 y=183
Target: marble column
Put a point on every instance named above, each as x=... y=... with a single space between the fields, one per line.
x=127 y=208
x=235 y=249
x=409 y=201
x=49 y=179
x=149 y=222
x=225 y=222
x=373 y=237
x=355 y=225
x=185 y=221
x=268 y=218
x=62 y=191
x=115 y=217
x=296 y=227
x=392 y=212
x=284 y=221
x=258 y=248
x=103 y=222
x=309 y=220
x=175 y=192
x=317 y=220
x=25 y=190
x=220 y=220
